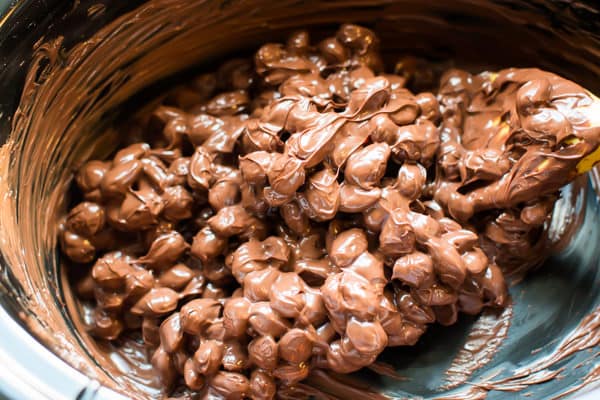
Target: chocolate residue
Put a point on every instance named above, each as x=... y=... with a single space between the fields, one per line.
x=585 y=336
x=95 y=10
x=587 y=383
x=126 y=361
x=384 y=369
x=484 y=339
x=342 y=387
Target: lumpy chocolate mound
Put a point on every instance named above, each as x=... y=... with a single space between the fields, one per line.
x=304 y=210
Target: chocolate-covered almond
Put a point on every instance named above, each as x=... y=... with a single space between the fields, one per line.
x=349 y=291
x=179 y=358
x=192 y=378
x=354 y=199
x=178 y=203
x=176 y=277
x=286 y=295
x=163 y=365
x=429 y=106
x=207 y=244
x=294 y=217
x=257 y=284
x=290 y=374
x=217 y=273
x=262 y=385
x=448 y=263
x=416 y=143
x=366 y=167
x=150 y=331
x=357 y=37
x=138 y=211
x=494 y=285
x=333 y=51
x=215 y=330
x=323 y=195
x=179 y=170
x=254 y=166
x=276 y=64
x=135 y=151
x=109 y=300
x=110 y=271
x=412 y=310
x=265 y=321
x=370 y=267
x=229 y=385
x=85 y=287
x=286 y=174
x=366 y=337
x=476 y=261
x=414 y=269
x=411 y=180
x=397 y=236
x=200 y=170
x=197 y=314
x=155 y=171
x=236 y=312
x=137 y=283
x=171 y=333
x=347 y=246
x=195 y=286
x=223 y=193
x=120 y=177
x=208 y=356
x=90 y=175
x=106 y=326
x=165 y=250
x=229 y=221
x=228 y=103
x=263 y=352
x=86 y=219
x=295 y=346
x=462 y=239
x=435 y=295
x=235 y=356
x=77 y=248
x=338 y=362
x=156 y=302
x=314 y=311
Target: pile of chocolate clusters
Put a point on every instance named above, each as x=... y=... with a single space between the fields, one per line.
x=304 y=210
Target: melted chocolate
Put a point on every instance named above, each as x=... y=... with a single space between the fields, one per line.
x=145 y=208
x=260 y=301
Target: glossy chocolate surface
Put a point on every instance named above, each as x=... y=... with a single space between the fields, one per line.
x=307 y=211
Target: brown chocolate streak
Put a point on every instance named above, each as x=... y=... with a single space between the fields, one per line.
x=484 y=339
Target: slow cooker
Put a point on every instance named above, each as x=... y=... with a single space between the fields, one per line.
x=68 y=69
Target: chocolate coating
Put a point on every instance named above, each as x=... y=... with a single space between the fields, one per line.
x=324 y=213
